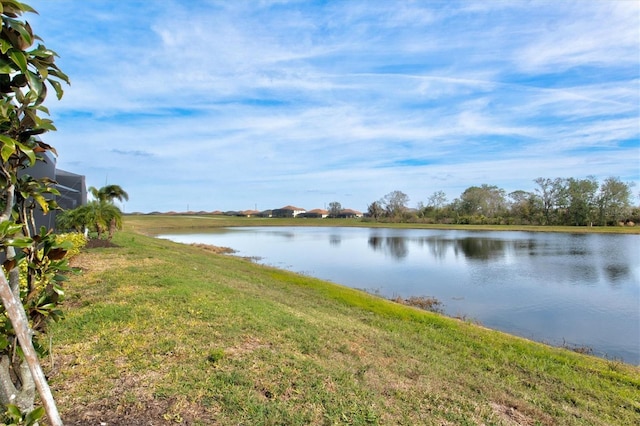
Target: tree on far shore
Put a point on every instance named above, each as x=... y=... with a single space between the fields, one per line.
x=334 y=209
x=558 y=201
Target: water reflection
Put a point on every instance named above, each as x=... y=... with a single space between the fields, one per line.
x=480 y=248
x=579 y=263
x=472 y=248
x=437 y=247
x=584 y=275
x=396 y=247
x=528 y=245
x=571 y=259
x=617 y=273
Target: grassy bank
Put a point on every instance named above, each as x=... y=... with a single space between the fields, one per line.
x=165 y=223
x=162 y=333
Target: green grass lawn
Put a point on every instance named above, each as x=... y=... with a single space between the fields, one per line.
x=162 y=333
x=163 y=223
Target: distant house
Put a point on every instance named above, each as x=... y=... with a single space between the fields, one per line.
x=316 y=213
x=249 y=213
x=288 y=211
x=265 y=213
x=349 y=213
x=72 y=188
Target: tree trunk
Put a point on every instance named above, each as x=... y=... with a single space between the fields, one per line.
x=18 y=318
x=23 y=397
x=112 y=228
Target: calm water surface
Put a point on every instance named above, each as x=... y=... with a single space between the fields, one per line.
x=573 y=289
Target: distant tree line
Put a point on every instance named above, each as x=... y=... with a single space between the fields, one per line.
x=559 y=201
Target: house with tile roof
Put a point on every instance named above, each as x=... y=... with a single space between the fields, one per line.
x=316 y=213
x=349 y=213
x=287 y=211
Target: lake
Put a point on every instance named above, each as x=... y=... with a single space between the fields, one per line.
x=577 y=290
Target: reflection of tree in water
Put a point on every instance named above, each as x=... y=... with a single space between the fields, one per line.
x=617 y=273
x=335 y=239
x=480 y=248
x=438 y=246
x=473 y=248
x=288 y=235
x=375 y=242
x=529 y=246
x=394 y=246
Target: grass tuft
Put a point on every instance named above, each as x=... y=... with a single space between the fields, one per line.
x=215 y=355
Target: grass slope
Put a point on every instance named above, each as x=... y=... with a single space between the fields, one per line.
x=159 y=333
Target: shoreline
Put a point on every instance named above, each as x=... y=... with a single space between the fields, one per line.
x=158 y=331
x=156 y=224
x=432 y=300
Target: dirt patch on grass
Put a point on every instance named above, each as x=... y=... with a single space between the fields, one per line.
x=214 y=249
x=512 y=416
x=132 y=404
x=90 y=262
x=249 y=345
x=107 y=413
x=129 y=402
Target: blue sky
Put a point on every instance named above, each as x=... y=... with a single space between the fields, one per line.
x=231 y=105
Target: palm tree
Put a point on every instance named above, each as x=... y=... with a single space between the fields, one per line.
x=106 y=216
x=73 y=220
x=101 y=214
x=109 y=193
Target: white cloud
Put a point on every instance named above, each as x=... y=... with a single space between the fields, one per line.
x=584 y=34
x=294 y=102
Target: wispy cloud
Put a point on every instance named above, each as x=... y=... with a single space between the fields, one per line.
x=134 y=153
x=584 y=34
x=226 y=105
